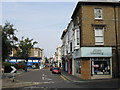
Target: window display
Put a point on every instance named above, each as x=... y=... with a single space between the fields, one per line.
x=101 y=67
x=78 y=67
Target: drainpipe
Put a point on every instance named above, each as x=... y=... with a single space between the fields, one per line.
x=116 y=51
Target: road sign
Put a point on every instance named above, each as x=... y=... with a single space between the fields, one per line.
x=9 y=69
x=14 y=69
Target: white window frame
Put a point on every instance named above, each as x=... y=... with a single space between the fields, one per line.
x=97 y=14
x=98 y=41
x=77 y=37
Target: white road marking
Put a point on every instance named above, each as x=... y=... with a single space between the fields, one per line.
x=48 y=79
x=44 y=75
x=43 y=78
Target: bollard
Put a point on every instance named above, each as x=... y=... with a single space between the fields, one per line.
x=13 y=77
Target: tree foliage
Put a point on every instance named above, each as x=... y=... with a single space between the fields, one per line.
x=25 y=46
x=46 y=60
x=9 y=40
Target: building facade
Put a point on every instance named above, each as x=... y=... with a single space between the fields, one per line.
x=34 y=61
x=97 y=53
x=64 y=50
x=59 y=61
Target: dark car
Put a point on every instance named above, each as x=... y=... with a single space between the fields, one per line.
x=56 y=70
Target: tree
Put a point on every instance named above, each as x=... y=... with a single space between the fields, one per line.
x=46 y=60
x=25 y=46
x=9 y=40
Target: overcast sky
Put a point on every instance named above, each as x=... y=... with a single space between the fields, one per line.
x=42 y=21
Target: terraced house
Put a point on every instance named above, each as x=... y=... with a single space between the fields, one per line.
x=95 y=43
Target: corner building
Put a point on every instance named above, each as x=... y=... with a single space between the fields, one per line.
x=98 y=55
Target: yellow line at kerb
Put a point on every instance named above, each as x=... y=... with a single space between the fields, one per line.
x=63 y=77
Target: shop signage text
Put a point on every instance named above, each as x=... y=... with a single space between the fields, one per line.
x=96 y=52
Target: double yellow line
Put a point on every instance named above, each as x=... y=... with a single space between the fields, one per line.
x=64 y=78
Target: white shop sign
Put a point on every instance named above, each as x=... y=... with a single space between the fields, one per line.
x=96 y=51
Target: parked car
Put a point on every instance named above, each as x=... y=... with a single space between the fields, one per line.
x=56 y=70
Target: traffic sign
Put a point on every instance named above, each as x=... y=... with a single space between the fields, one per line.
x=14 y=69
x=9 y=69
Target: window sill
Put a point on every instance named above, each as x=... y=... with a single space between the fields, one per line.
x=98 y=19
x=99 y=45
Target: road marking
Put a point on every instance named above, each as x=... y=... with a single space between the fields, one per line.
x=43 y=78
x=44 y=75
x=49 y=82
x=48 y=79
x=63 y=77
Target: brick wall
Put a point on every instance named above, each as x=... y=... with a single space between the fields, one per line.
x=32 y=53
x=85 y=69
x=88 y=20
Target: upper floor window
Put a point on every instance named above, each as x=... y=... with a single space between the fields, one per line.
x=71 y=47
x=35 y=52
x=78 y=39
x=98 y=13
x=99 y=35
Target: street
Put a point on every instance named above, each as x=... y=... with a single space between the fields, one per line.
x=45 y=79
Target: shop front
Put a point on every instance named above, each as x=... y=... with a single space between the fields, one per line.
x=70 y=66
x=66 y=66
x=96 y=62
x=77 y=62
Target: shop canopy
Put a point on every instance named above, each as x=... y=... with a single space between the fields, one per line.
x=30 y=58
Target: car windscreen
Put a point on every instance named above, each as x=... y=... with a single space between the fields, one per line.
x=56 y=68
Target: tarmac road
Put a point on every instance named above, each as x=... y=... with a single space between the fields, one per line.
x=45 y=79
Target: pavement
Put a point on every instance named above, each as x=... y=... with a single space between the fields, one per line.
x=77 y=79
x=9 y=81
x=70 y=77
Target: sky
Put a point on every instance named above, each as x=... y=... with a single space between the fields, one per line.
x=42 y=21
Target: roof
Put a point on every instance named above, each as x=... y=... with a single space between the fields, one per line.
x=63 y=34
x=93 y=3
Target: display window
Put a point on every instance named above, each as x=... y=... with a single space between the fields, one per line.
x=101 y=66
x=78 y=67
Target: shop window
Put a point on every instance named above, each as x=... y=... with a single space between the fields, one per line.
x=78 y=67
x=101 y=67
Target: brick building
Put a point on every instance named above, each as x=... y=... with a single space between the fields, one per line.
x=99 y=32
x=36 y=55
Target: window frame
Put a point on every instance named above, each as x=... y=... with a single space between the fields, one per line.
x=78 y=37
x=36 y=52
x=98 y=36
x=95 y=14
